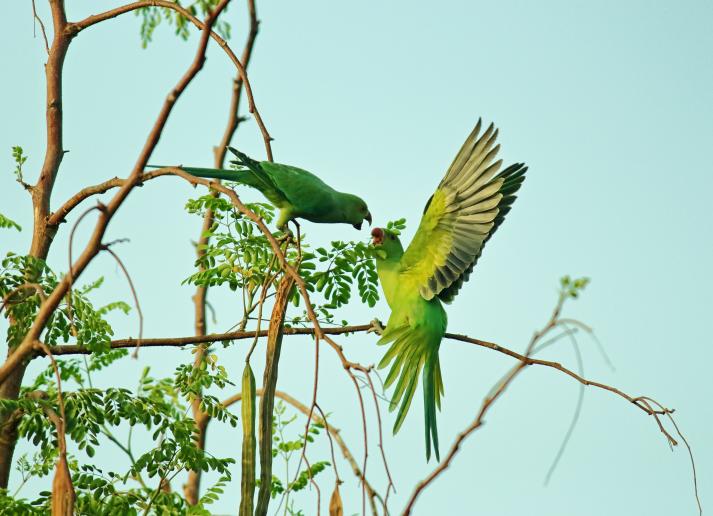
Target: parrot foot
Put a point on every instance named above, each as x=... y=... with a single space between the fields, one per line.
x=376 y=327
x=287 y=236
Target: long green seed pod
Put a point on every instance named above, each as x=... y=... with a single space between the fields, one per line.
x=247 y=481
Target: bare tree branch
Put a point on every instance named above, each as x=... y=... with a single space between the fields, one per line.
x=72 y=349
x=42 y=27
x=341 y=330
x=60 y=215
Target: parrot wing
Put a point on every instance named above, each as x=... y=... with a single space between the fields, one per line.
x=261 y=180
x=513 y=177
x=460 y=217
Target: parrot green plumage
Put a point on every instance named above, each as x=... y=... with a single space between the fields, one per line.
x=296 y=192
x=468 y=206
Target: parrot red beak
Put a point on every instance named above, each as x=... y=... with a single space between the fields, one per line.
x=377 y=235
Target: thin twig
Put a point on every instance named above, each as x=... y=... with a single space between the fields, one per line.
x=70 y=274
x=390 y=485
x=575 y=416
x=42 y=27
x=331 y=444
x=690 y=453
x=105 y=247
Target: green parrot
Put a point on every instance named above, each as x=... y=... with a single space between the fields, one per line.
x=296 y=192
x=468 y=206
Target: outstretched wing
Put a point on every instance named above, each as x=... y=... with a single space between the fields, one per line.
x=462 y=214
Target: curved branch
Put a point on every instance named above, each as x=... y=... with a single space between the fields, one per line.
x=42 y=27
x=556 y=365
x=75 y=28
x=59 y=216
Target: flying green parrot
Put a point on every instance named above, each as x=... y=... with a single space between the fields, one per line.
x=296 y=192
x=468 y=206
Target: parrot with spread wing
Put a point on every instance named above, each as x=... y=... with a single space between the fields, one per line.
x=466 y=209
x=295 y=192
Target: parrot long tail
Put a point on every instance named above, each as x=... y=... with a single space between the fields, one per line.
x=245 y=177
x=411 y=352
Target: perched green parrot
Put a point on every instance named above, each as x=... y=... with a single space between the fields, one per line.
x=296 y=192
x=468 y=206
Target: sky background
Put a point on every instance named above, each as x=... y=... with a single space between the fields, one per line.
x=609 y=103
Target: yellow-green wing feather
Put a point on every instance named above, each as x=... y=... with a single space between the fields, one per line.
x=459 y=217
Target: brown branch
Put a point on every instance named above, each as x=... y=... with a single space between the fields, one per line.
x=252 y=108
x=335 y=433
x=554 y=365
x=331 y=444
x=73 y=349
x=42 y=27
x=59 y=216
x=25 y=348
x=42 y=235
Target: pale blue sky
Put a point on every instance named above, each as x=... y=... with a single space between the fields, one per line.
x=610 y=105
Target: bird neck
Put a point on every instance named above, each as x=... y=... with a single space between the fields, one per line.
x=388 y=270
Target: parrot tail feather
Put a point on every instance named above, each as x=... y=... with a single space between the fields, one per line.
x=409 y=354
x=238 y=176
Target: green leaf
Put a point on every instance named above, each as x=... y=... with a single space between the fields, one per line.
x=8 y=223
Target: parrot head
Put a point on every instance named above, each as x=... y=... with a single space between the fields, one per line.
x=386 y=244
x=356 y=211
